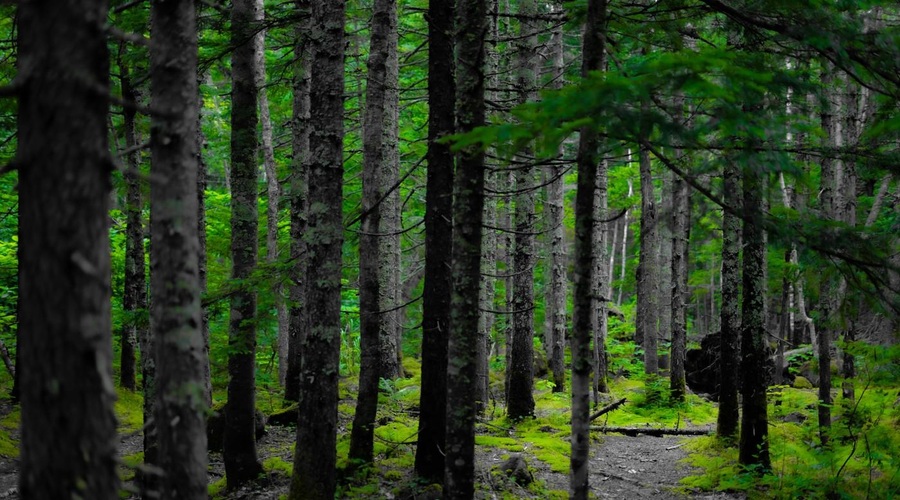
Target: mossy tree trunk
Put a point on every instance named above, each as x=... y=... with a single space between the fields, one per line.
x=180 y=408
x=315 y=474
x=375 y=293
x=468 y=206
x=729 y=357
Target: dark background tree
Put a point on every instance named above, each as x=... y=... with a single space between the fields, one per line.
x=430 y=451
x=240 y=456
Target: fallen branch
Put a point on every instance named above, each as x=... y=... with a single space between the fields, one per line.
x=607 y=409
x=652 y=431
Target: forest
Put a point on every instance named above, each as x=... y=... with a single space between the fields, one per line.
x=317 y=249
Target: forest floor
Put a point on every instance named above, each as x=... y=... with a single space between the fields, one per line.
x=622 y=467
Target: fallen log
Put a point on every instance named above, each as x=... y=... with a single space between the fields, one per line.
x=607 y=409
x=652 y=431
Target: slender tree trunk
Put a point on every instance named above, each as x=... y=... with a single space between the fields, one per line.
x=240 y=457
x=754 y=445
x=375 y=326
x=680 y=224
x=520 y=398
x=430 y=451
x=489 y=260
x=625 y=223
x=598 y=283
x=68 y=429
x=273 y=195
x=830 y=201
x=316 y=458
x=299 y=186
x=392 y=264
x=646 y=314
x=593 y=49
x=134 y=301
x=201 y=261
x=175 y=317
x=729 y=358
x=468 y=205
x=555 y=329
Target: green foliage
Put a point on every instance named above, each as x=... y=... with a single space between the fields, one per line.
x=861 y=460
x=129 y=411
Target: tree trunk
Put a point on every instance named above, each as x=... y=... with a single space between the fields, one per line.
x=729 y=357
x=175 y=316
x=134 y=300
x=830 y=202
x=316 y=459
x=201 y=261
x=240 y=457
x=273 y=195
x=754 y=445
x=598 y=283
x=648 y=297
x=680 y=294
x=430 y=451
x=375 y=326
x=520 y=398
x=299 y=186
x=593 y=52
x=625 y=223
x=468 y=205
x=391 y=217
x=68 y=426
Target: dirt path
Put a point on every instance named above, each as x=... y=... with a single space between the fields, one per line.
x=641 y=467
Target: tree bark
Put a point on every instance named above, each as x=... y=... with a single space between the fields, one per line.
x=299 y=186
x=180 y=409
x=316 y=459
x=594 y=44
x=647 y=292
x=68 y=426
x=680 y=294
x=375 y=295
x=134 y=300
x=754 y=445
x=599 y=307
x=729 y=357
x=430 y=451
x=240 y=456
x=520 y=398
x=468 y=206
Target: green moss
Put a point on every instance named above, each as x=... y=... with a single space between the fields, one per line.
x=130 y=411
x=500 y=442
x=412 y=367
x=216 y=488
x=129 y=464
x=9 y=446
x=279 y=466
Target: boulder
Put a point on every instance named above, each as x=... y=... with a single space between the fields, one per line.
x=516 y=468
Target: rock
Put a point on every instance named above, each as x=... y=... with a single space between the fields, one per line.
x=215 y=427
x=801 y=382
x=284 y=416
x=541 y=366
x=516 y=468
x=797 y=418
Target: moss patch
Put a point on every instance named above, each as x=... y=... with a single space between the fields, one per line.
x=130 y=411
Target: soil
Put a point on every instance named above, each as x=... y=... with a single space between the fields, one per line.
x=621 y=467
